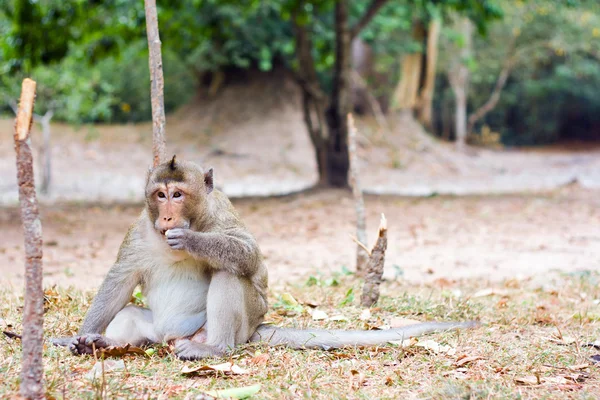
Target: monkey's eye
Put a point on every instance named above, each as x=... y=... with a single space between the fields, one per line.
x=176 y=194
x=161 y=195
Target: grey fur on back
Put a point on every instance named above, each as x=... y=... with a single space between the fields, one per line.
x=334 y=339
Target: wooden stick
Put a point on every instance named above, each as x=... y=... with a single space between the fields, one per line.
x=361 y=225
x=157 y=83
x=32 y=386
x=374 y=273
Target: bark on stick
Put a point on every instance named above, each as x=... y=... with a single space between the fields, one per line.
x=33 y=312
x=361 y=225
x=374 y=275
x=157 y=83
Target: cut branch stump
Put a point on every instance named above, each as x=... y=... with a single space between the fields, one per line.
x=374 y=271
x=32 y=386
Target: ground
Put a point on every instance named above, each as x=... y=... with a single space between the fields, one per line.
x=483 y=237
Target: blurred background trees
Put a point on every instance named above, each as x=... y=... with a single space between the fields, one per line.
x=485 y=72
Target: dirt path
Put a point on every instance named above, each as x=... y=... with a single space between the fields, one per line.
x=432 y=238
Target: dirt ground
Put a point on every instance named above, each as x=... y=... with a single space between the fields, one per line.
x=491 y=238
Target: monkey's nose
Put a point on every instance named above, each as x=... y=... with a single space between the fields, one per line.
x=167 y=218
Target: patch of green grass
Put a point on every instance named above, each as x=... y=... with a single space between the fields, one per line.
x=526 y=331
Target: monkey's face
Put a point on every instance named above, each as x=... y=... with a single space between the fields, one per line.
x=170 y=199
x=176 y=195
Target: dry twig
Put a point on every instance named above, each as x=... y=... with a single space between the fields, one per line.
x=157 y=83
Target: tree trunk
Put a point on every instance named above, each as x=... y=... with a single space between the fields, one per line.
x=157 y=83
x=491 y=103
x=362 y=66
x=406 y=93
x=459 y=80
x=32 y=386
x=425 y=102
x=338 y=162
x=326 y=120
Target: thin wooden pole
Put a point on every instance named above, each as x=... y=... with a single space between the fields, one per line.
x=157 y=83
x=362 y=257
x=32 y=386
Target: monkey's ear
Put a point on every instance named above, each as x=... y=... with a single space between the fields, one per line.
x=172 y=163
x=208 y=181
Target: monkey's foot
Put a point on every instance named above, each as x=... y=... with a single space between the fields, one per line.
x=185 y=349
x=85 y=344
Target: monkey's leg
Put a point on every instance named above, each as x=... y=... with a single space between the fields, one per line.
x=234 y=310
x=132 y=325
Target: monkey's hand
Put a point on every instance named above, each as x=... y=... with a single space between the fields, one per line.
x=179 y=238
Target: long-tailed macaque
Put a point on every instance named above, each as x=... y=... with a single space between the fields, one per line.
x=202 y=274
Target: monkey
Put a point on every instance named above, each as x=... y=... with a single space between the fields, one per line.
x=203 y=277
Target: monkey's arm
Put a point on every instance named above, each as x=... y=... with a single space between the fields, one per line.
x=113 y=295
x=235 y=251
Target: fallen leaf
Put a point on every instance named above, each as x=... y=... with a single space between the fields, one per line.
x=289 y=300
x=234 y=393
x=260 y=359
x=434 y=346
x=365 y=315
x=357 y=379
x=528 y=380
x=399 y=322
x=405 y=343
x=555 y=380
x=466 y=360
x=318 y=315
x=109 y=366
x=489 y=292
x=338 y=317
x=569 y=387
x=118 y=351
x=226 y=368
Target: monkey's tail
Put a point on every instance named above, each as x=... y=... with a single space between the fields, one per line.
x=335 y=339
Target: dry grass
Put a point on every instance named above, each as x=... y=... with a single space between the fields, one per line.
x=528 y=331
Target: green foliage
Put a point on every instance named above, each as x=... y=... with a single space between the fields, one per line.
x=552 y=92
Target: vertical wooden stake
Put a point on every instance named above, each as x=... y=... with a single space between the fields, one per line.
x=32 y=386
x=361 y=225
x=374 y=272
x=157 y=83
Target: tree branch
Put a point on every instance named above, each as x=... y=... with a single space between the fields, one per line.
x=491 y=103
x=157 y=83
x=369 y=14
